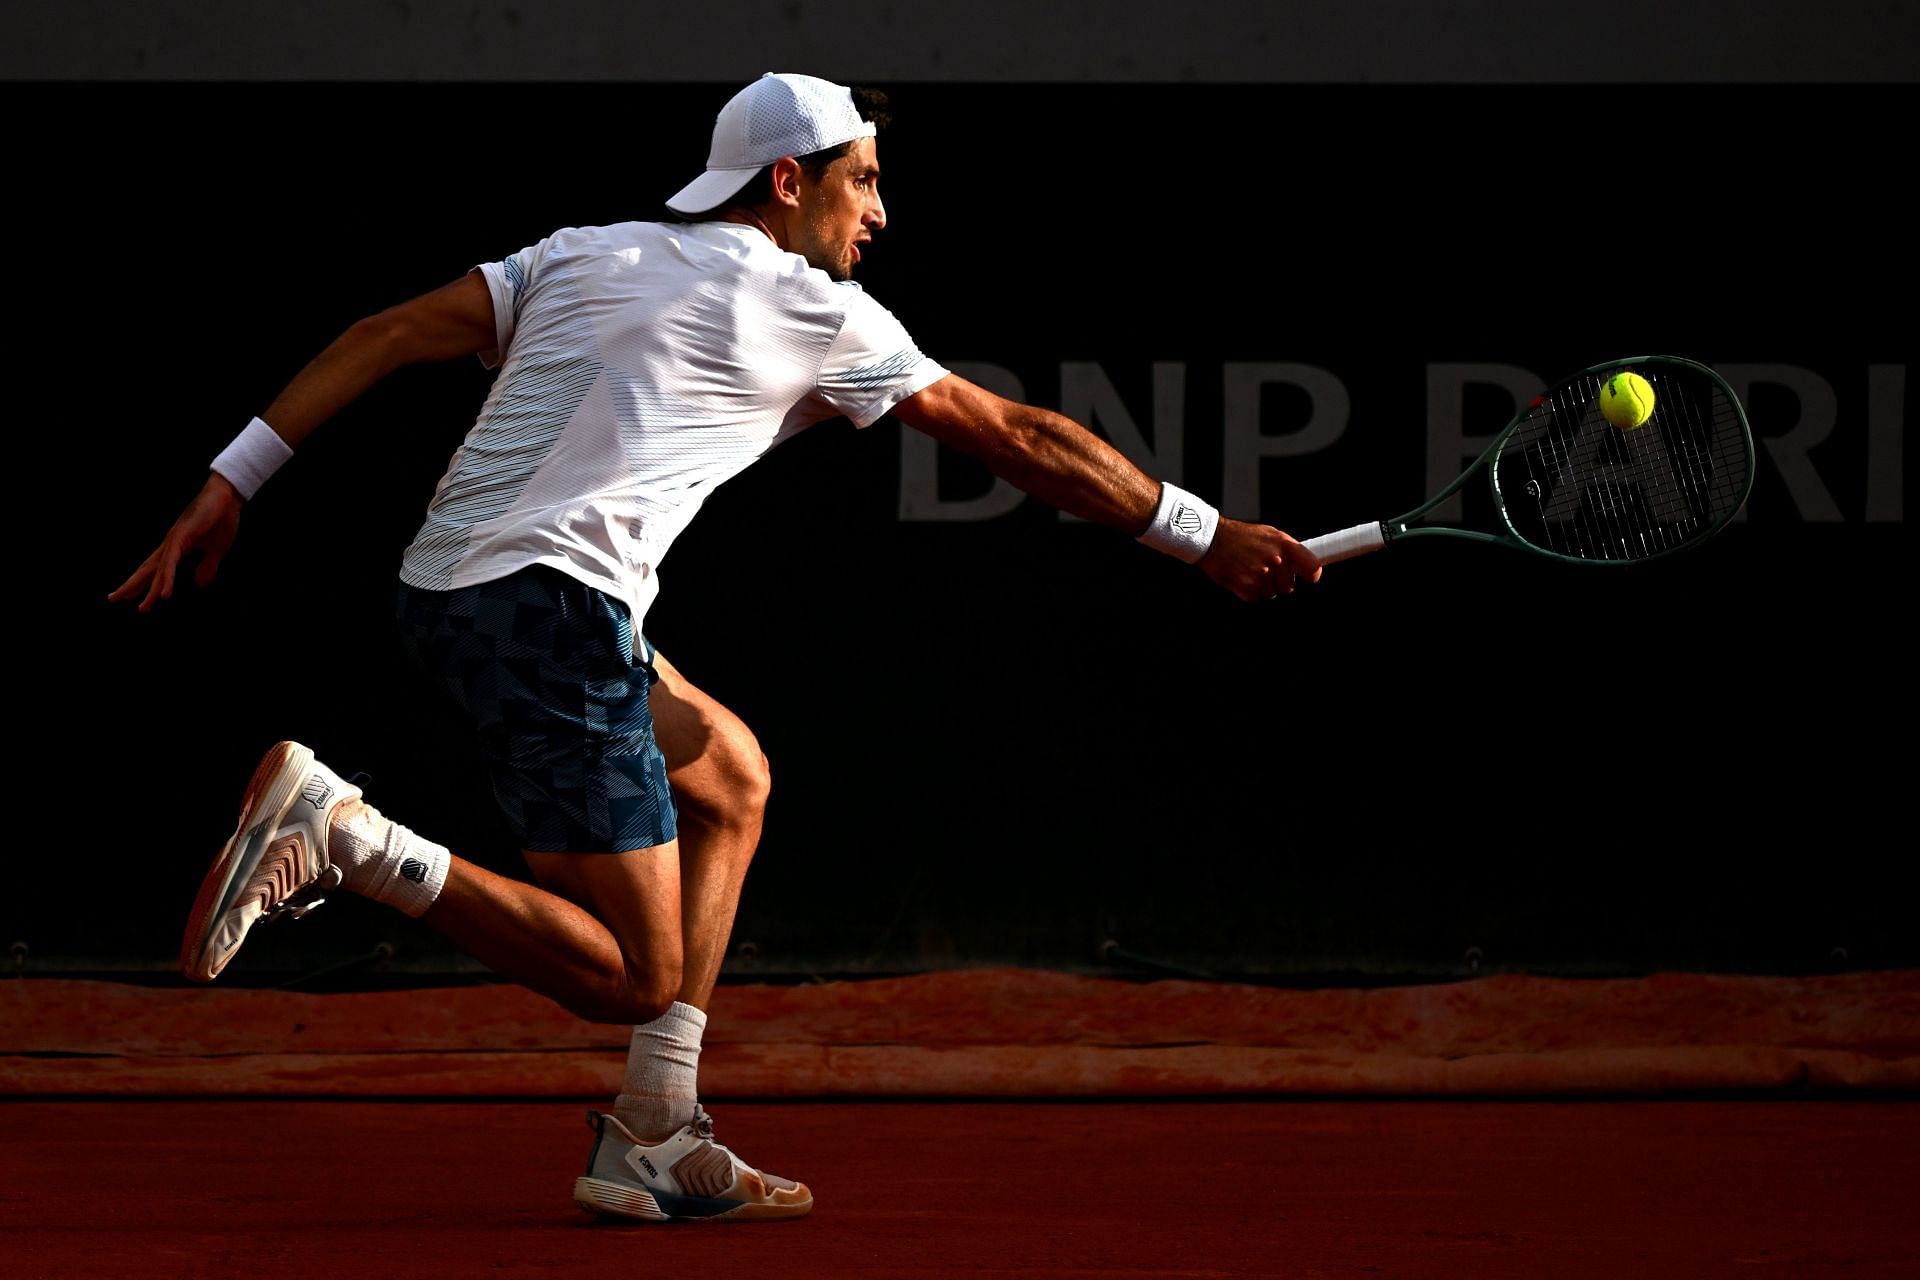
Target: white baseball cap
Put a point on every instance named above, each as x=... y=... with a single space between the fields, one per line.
x=775 y=116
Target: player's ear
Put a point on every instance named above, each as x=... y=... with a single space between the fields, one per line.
x=786 y=181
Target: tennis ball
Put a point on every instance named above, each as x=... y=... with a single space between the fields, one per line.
x=1626 y=400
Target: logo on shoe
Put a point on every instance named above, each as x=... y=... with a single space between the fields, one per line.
x=316 y=792
x=413 y=869
x=651 y=1171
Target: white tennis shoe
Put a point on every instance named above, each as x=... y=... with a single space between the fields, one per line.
x=276 y=863
x=688 y=1177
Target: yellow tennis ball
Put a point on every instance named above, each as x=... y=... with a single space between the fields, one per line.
x=1626 y=400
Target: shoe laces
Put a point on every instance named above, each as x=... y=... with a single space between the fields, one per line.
x=702 y=1127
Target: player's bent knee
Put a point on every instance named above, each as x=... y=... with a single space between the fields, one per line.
x=644 y=1007
x=640 y=998
x=757 y=785
x=744 y=766
x=750 y=782
x=732 y=791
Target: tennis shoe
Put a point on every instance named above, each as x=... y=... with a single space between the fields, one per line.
x=276 y=862
x=685 y=1178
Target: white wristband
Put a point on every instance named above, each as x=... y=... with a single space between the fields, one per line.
x=255 y=454
x=1182 y=526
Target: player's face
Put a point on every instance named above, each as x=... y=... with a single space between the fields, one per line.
x=841 y=212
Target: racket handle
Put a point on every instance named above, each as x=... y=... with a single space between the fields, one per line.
x=1348 y=543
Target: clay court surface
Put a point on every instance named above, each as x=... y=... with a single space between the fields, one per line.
x=1103 y=1189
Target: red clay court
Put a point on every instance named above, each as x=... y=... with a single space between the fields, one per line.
x=1680 y=1125
x=1698 y=1188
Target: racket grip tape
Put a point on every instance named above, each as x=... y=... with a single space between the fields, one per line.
x=1345 y=544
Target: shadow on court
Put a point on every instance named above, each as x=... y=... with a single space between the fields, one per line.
x=1294 y=1189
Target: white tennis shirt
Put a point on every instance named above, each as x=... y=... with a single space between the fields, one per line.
x=641 y=365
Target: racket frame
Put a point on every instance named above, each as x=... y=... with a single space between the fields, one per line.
x=1400 y=526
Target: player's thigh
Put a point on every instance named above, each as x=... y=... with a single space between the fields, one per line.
x=714 y=762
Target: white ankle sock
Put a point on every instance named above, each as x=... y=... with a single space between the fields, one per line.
x=385 y=861
x=663 y=1066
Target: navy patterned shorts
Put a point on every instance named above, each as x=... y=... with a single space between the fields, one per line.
x=544 y=668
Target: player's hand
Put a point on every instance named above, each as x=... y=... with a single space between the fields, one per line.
x=1257 y=561
x=207 y=527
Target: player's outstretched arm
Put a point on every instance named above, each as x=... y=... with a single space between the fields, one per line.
x=453 y=321
x=1067 y=466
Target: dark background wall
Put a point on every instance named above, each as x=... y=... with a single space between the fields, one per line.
x=976 y=41
x=1010 y=738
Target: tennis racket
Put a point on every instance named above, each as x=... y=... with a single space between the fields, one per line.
x=1570 y=485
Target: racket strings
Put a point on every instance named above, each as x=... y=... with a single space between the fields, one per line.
x=1571 y=483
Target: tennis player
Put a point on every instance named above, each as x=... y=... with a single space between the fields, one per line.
x=640 y=366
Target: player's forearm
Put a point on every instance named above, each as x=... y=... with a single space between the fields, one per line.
x=1065 y=465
